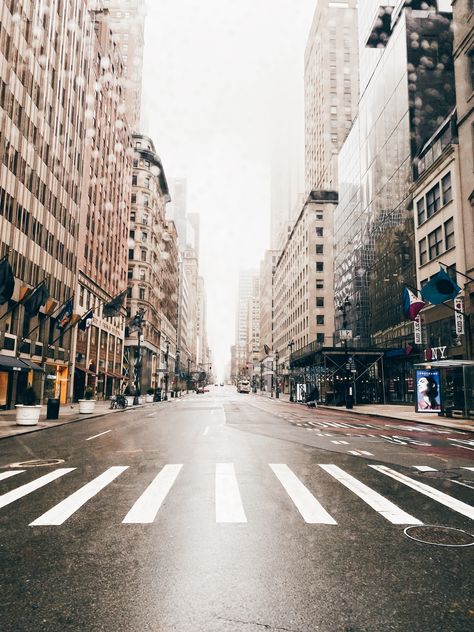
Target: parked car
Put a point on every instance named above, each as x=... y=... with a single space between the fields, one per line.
x=199 y=389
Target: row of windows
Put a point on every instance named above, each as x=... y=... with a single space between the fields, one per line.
x=437 y=242
x=436 y=197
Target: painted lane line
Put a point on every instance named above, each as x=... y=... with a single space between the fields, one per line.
x=344 y=442
x=431 y=492
x=149 y=503
x=366 y=453
x=98 y=435
x=424 y=468
x=229 y=506
x=19 y=492
x=463 y=484
x=384 y=507
x=354 y=452
x=471 y=469
x=5 y=475
x=454 y=445
x=206 y=430
x=152 y=415
x=310 y=508
x=336 y=442
x=64 y=510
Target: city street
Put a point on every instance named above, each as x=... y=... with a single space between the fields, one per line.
x=238 y=513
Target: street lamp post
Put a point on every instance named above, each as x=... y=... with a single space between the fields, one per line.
x=167 y=375
x=188 y=376
x=176 y=373
x=348 y=396
x=138 y=322
x=277 y=391
x=290 y=347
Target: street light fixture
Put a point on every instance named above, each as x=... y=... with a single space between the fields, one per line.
x=290 y=347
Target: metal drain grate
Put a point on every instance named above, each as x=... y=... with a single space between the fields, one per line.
x=37 y=463
x=440 y=536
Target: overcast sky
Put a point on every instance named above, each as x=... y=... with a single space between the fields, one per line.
x=221 y=79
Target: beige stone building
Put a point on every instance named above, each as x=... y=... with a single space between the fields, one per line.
x=44 y=67
x=253 y=327
x=331 y=85
x=303 y=289
x=463 y=14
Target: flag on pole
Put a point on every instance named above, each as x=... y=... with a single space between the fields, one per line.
x=440 y=288
x=86 y=321
x=7 y=281
x=113 y=308
x=36 y=299
x=65 y=315
x=266 y=349
x=411 y=304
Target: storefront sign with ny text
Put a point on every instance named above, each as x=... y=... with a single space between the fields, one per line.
x=435 y=353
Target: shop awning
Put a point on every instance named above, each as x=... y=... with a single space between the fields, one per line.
x=31 y=365
x=7 y=363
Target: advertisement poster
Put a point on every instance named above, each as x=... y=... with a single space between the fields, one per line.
x=427 y=391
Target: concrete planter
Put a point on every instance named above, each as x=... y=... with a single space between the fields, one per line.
x=129 y=399
x=86 y=406
x=27 y=415
x=149 y=399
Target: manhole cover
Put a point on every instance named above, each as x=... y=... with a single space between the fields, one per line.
x=37 y=463
x=440 y=474
x=441 y=536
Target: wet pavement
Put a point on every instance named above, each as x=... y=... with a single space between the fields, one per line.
x=229 y=512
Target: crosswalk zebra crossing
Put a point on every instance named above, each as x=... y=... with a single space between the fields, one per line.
x=229 y=506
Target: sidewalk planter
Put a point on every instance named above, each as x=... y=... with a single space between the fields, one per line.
x=86 y=406
x=129 y=399
x=149 y=399
x=27 y=415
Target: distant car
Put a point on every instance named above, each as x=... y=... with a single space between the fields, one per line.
x=200 y=389
x=243 y=386
x=222 y=383
x=216 y=384
x=206 y=390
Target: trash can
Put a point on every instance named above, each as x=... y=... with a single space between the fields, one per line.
x=52 y=408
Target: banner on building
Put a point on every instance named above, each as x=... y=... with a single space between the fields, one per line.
x=417 y=330
x=459 y=316
x=427 y=391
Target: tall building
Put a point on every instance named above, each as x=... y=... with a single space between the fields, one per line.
x=253 y=325
x=202 y=359
x=331 y=88
x=43 y=124
x=126 y=20
x=463 y=15
x=195 y=223
x=176 y=209
x=407 y=89
x=246 y=280
x=103 y=228
x=267 y=267
x=152 y=268
x=191 y=272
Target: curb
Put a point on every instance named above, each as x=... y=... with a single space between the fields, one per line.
x=76 y=419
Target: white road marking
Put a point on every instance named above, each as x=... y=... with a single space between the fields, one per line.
x=310 y=508
x=147 y=506
x=19 y=492
x=206 y=430
x=337 y=442
x=424 y=468
x=431 y=492
x=5 y=475
x=366 y=453
x=471 y=469
x=229 y=506
x=454 y=445
x=384 y=507
x=354 y=452
x=98 y=435
x=152 y=415
x=64 y=510
x=463 y=484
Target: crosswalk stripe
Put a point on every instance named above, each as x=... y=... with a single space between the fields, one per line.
x=64 y=510
x=149 y=503
x=311 y=510
x=229 y=506
x=431 y=492
x=471 y=469
x=424 y=468
x=19 y=492
x=384 y=507
x=5 y=475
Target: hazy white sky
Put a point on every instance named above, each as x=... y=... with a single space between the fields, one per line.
x=221 y=79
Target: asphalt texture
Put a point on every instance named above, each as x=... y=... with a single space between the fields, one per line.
x=207 y=563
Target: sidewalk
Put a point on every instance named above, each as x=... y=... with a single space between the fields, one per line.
x=404 y=413
x=68 y=413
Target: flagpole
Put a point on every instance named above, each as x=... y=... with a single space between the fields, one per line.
x=28 y=293
x=457 y=272
x=457 y=311
x=48 y=316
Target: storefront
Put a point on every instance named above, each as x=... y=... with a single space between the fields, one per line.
x=25 y=372
x=55 y=382
x=454 y=380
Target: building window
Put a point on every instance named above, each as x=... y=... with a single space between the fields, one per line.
x=319 y=266
x=319 y=284
x=134 y=198
x=320 y=319
x=134 y=181
x=433 y=200
x=471 y=67
x=141 y=294
x=130 y=273
x=319 y=215
x=319 y=249
x=143 y=255
x=144 y=236
x=423 y=251
x=320 y=338
x=447 y=188
x=435 y=243
x=133 y=216
x=449 y=234
x=421 y=210
x=320 y=301
x=130 y=254
x=145 y=219
x=142 y=274
x=319 y=231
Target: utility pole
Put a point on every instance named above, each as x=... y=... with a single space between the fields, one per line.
x=167 y=375
x=189 y=375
